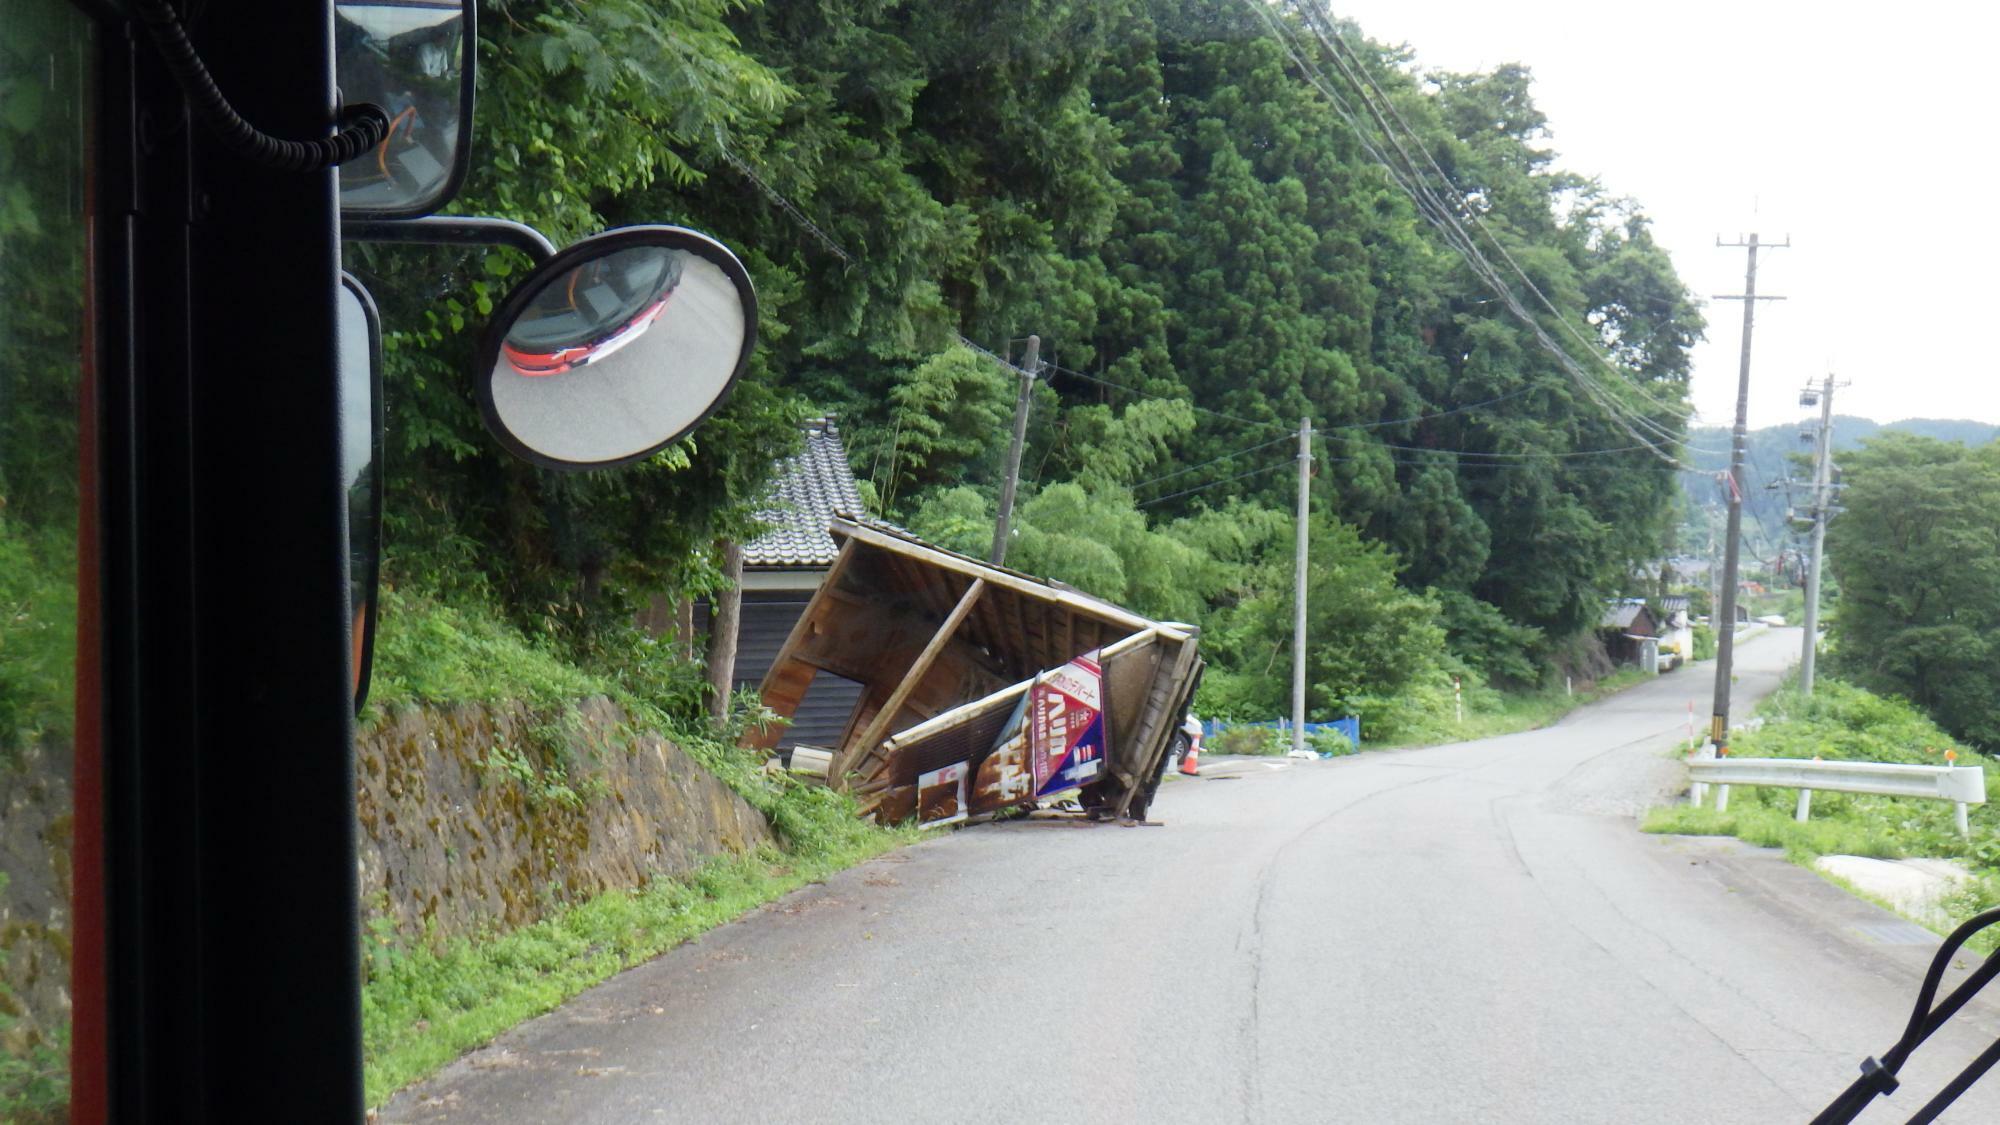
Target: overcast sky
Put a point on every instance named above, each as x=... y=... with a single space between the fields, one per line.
x=1866 y=134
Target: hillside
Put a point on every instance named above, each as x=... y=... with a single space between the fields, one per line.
x=1774 y=453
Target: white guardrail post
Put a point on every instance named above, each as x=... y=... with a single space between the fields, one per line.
x=1961 y=785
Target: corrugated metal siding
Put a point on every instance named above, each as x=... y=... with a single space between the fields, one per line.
x=823 y=713
x=766 y=622
x=768 y=617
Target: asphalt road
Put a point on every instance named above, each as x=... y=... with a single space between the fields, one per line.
x=1474 y=932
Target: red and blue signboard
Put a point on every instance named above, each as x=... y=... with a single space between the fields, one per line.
x=1066 y=728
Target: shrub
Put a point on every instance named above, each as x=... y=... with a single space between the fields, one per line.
x=1330 y=740
x=1704 y=643
x=1250 y=740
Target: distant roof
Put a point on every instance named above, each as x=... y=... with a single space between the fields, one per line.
x=812 y=487
x=1622 y=613
x=1674 y=603
x=1688 y=567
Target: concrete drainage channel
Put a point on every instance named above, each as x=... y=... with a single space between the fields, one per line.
x=1913 y=888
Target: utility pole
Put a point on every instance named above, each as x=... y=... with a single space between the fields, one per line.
x=1299 y=590
x=1029 y=369
x=1714 y=577
x=1725 y=635
x=1822 y=509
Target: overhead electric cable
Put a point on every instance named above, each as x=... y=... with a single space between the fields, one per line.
x=1100 y=380
x=1318 y=22
x=1285 y=464
x=1434 y=211
x=1505 y=455
x=1217 y=461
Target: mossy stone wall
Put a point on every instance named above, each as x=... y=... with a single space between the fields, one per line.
x=477 y=817
x=35 y=825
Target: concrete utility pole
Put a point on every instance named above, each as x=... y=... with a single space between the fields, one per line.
x=1299 y=589
x=1822 y=508
x=1029 y=369
x=1725 y=632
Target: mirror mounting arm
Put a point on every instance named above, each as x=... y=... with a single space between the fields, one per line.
x=452 y=230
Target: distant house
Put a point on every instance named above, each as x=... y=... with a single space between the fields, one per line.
x=782 y=568
x=1686 y=570
x=1631 y=633
x=1678 y=629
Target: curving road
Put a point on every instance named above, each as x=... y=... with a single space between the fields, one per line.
x=1465 y=933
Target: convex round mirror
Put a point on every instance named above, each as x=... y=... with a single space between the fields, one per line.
x=615 y=347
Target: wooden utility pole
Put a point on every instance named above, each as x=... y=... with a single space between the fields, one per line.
x=724 y=626
x=1725 y=634
x=1032 y=361
x=1822 y=508
x=1299 y=589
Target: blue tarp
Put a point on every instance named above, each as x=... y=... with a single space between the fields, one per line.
x=1350 y=726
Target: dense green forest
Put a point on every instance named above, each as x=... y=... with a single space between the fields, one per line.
x=1917 y=555
x=1219 y=217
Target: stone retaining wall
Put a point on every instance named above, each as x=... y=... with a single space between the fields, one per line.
x=470 y=822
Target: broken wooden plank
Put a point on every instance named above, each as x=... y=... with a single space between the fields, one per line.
x=1010 y=580
x=879 y=726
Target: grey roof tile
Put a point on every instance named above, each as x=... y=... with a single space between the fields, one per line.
x=811 y=488
x=1621 y=613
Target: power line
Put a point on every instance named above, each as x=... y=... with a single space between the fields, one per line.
x=1512 y=456
x=1322 y=27
x=1427 y=417
x=1437 y=214
x=1167 y=398
x=1216 y=461
x=1434 y=211
x=1463 y=467
x=1357 y=75
x=1285 y=464
x=790 y=209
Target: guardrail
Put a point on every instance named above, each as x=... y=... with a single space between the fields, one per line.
x=1961 y=785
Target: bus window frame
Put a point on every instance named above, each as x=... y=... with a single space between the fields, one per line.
x=229 y=941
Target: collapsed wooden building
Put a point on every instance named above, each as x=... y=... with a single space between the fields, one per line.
x=981 y=687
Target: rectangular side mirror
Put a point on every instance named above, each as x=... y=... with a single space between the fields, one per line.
x=415 y=59
x=360 y=369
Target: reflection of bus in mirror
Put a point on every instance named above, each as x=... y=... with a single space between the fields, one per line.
x=593 y=312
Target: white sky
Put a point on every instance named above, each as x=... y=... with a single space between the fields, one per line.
x=1866 y=133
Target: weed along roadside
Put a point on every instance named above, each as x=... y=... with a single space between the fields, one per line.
x=459 y=948
x=426 y=1005
x=1490 y=713
x=529 y=827
x=1427 y=719
x=1950 y=877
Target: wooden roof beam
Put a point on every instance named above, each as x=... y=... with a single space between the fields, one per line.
x=878 y=727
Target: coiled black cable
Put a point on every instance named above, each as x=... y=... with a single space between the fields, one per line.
x=362 y=127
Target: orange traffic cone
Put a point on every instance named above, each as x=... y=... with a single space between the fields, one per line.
x=1191 y=761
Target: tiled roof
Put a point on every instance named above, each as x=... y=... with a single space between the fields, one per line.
x=812 y=487
x=1622 y=613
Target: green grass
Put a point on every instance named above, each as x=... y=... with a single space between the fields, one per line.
x=1840 y=722
x=37 y=636
x=422 y=1008
x=1490 y=714
x=427 y=651
x=426 y=1002
x=1774 y=828
x=34 y=1083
